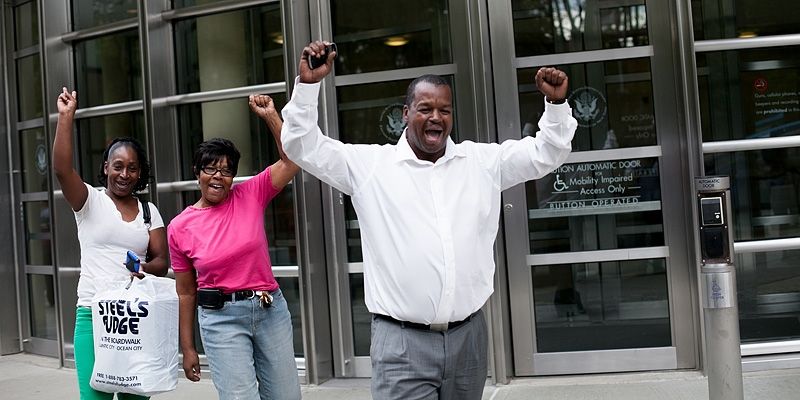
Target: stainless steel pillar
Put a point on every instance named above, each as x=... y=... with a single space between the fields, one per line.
x=718 y=279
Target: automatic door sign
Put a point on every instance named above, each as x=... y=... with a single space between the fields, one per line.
x=559 y=184
x=601 y=184
x=391 y=122
x=589 y=106
x=719 y=287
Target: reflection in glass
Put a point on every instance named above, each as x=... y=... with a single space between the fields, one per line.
x=29 y=88
x=369 y=39
x=769 y=295
x=26 y=23
x=108 y=69
x=189 y=3
x=353 y=232
x=37 y=233
x=612 y=101
x=546 y=27
x=33 y=153
x=623 y=26
x=42 y=304
x=599 y=205
x=94 y=134
x=601 y=306
x=765 y=185
x=233 y=120
x=227 y=50
x=279 y=225
x=91 y=13
x=362 y=318
x=727 y=19
x=749 y=94
x=290 y=286
x=373 y=114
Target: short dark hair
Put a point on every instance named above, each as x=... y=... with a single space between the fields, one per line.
x=215 y=150
x=435 y=80
x=144 y=165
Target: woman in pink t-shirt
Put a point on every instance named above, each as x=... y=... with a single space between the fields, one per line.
x=218 y=249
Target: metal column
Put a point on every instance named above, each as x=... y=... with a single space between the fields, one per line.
x=718 y=279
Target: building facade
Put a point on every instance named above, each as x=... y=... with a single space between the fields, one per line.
x=597 y=263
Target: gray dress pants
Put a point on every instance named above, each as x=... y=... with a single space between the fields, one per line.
x=414 y=364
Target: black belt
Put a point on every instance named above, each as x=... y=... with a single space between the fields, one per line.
x=243 y=295
x=423 y=327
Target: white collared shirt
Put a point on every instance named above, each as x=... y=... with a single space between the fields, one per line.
x=427 y=229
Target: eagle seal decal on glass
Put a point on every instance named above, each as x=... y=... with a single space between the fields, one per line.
x=391 y=122
x=588 y=106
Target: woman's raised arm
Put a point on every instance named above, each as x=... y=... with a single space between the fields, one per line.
x=75 y=191
x=284 y=169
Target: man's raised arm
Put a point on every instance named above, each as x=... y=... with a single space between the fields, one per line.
x=303 y=141
x=533 y=158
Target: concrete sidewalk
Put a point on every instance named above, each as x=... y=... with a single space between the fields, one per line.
x=24 y=376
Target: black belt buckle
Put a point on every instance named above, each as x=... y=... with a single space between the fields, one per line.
x=264 y=297
x=439 y=327
x=246 y=294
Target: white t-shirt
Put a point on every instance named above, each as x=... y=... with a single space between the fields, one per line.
x=105 y=239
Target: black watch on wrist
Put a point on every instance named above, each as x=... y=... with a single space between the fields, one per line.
x=562 y=101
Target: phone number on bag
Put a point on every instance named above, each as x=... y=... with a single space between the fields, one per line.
x=131 y=378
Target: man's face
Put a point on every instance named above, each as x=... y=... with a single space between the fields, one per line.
x=430 y=120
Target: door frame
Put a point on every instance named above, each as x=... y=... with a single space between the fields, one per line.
x=671 y=149
x=28 y=343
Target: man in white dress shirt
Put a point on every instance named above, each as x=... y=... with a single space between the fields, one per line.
x=428 y=210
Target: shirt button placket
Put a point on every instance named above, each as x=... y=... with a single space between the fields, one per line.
x=444 y=228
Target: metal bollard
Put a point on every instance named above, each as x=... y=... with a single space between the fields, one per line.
x=721 y=318
x=718 y=279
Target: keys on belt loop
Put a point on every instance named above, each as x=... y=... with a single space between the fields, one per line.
x=265 y=299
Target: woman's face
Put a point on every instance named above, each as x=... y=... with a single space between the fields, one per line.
x=215 y=182
x=123 y=171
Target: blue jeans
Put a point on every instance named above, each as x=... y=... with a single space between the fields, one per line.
x=250 y=351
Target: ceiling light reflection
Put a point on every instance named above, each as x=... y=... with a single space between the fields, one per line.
x=395 y=41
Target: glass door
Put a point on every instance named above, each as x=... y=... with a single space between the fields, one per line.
x=597 y=267
x=31 y=150
x=749 y=100
x=211 y=81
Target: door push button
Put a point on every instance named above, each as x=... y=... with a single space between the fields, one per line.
x=711 y=208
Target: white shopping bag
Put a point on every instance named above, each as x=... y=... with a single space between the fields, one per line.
x=136 y=337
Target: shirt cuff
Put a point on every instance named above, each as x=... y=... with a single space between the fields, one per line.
x=305 y=93
x=557 y=112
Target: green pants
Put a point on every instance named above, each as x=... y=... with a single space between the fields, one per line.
x=84 y=359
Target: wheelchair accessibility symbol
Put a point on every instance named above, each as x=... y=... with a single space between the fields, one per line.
x=559 y=185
